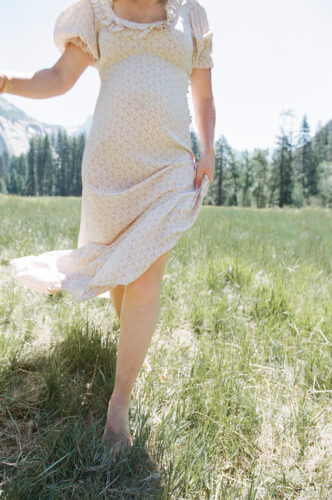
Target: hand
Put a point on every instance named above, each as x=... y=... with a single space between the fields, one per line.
x=205 y=165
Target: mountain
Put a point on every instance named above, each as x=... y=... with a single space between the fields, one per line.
x=17 y=128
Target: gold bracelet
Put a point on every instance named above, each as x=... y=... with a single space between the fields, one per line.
x=5 y=85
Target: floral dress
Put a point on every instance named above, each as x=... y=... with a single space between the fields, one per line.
x=138 y=167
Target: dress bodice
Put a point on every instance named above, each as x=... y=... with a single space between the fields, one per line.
x=183 y=39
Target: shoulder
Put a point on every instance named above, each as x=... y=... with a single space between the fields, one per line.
x=196 y=10
x=78 y=17
x=194 y=5
x=197 y=14
x=77 y=7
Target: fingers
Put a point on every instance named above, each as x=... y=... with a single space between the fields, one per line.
x=205 y=166
x=199 y=176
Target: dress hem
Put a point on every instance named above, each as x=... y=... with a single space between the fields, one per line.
x=82 y=271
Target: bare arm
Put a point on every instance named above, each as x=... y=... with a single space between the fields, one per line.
x=50 y=82
x=205 y=119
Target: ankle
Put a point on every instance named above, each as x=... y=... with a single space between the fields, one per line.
x=119 y=401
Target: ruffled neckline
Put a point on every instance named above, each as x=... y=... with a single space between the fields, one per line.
x=105 y=13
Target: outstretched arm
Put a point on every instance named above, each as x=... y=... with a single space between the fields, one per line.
x=205 y=118
x=50 y=82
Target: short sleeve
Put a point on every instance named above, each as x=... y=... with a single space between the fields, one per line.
x=202 y=36
x=77 y=24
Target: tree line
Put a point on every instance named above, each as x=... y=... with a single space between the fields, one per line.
x=51 y=167
x=296 y=173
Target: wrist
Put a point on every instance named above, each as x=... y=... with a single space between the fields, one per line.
x=209 y=150
x=4 y=84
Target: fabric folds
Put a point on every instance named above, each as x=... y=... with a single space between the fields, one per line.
x=93 y=269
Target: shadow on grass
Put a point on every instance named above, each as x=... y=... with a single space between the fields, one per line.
x=52 y=408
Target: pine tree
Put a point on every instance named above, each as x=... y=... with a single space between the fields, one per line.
x=234 y=177
x=222 y=158
x=57 y=163
x=325 y=183
x=65 y=166
x=219 y=171
x=320 y=144
x=21 y=166
x=308 y=176
x=31 y=183
x=3 y=187
x=285 y=170
x=6 y=161
x=329 y=145
x=40 y=165
x=274 y=180
x=78 y=152
x=247 y=178
x=2 y=167
x=49 y=171
x=13 y=183
x=261 y=176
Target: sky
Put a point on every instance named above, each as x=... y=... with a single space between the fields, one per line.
x=270 y=56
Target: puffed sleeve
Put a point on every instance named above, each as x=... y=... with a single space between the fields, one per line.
x=77 y=24
x=202 y=36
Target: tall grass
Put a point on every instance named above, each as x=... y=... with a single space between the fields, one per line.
x=234 y=398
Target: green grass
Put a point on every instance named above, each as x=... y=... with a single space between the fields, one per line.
x=234 y=398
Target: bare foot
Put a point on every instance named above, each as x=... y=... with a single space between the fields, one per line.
x=116 y=435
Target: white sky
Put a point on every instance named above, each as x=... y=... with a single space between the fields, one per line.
x=270 y=56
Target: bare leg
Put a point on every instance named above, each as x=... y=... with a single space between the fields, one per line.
x=116 y=296
x=139 y=315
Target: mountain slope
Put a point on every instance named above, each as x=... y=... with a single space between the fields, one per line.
x=17 y=128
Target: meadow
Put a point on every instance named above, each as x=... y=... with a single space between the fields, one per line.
x=234 y=398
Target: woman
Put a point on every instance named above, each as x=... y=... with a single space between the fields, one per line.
x=141 y=186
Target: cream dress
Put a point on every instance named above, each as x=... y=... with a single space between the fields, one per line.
x=138 y=166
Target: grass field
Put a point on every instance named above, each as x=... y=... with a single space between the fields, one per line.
x=234 y=399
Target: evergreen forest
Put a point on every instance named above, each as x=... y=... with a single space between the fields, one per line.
x=297 y=172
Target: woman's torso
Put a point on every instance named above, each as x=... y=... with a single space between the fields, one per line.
x=142 y=113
